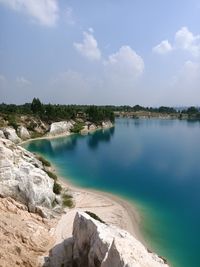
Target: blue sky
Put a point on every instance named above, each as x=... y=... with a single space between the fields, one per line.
x=100 y=52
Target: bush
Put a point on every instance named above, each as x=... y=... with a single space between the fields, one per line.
x=44 y=161
x=12 y=121
x=78 y=126
x=67 y=200
x=94 y=216
x=51 y=175
x=57 y=188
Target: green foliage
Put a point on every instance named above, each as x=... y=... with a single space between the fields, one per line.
x=94 y=216
x=57 y=188
x=12 y=121
x=98 y=114
x=67 y=200
x=44 y=161
x=37 y=106
x=51 y=175
x=78 y=126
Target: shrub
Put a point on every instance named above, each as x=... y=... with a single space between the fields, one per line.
x=94 y=216
x=78 y=126
x=57 y=188
x=67 y=200
x=51 y=175
x=44 y=161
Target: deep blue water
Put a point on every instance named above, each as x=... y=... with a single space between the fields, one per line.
x=155 y=163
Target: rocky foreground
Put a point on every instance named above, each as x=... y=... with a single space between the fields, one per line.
x=30 y=213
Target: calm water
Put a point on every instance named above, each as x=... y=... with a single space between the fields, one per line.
x=156 y=164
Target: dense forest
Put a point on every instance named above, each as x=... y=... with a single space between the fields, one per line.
x=56 y=112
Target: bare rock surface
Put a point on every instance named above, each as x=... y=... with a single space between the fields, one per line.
x=23 y=178
x=11 y=135
x=98 y=244
x=60 y=128
x=23 y=133
x=24 y=236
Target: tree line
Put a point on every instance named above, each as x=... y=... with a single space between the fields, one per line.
x=56 y=112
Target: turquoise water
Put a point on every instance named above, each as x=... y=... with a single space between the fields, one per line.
x=155 y=163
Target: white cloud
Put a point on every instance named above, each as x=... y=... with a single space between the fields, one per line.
x=69 y=16
x=183 y=40
x=163 y=48
x=186 y=40
x=44 y=12
x=89 y=47
x=22 y=81
x=185 y=85
x=125 y=65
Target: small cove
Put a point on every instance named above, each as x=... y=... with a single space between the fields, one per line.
x=154 y=164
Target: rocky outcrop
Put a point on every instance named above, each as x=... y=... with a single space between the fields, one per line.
x=23 y=178
x=107 y=124
x=23 y=133
x=24 y=236
x=60 y=128
x=11 y=135
x=96 y=244
x=2 y=134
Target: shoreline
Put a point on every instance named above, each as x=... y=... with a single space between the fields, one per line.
x=120 y=212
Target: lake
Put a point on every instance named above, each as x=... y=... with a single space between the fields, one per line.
x=154 y=163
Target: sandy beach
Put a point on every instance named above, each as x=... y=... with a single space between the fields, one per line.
x=110 y=208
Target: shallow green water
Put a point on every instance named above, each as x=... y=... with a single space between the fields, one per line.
x=155 y=163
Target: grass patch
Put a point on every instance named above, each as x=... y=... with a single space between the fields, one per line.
x=67 y=200
x=51 y=175
x=57 y=188
x=44 y=161
x=36 y=135
x=94 y=216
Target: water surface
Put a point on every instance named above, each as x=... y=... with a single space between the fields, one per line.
x=155 y=163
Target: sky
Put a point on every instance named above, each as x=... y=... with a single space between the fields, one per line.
x=120 y=52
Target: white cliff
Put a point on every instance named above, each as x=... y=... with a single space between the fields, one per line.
x=11 y=135
x=60 y=128
x=96 y=244
x=107 y=124
x=23 y=133
x=23 y=178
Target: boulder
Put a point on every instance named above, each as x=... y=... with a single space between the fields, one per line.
x=11 y=135
x=99 y=245
x=22 y=177
x=60 y=128
x=23 y=133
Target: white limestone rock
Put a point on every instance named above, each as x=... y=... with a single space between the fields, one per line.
x=60 y=128
x=23 y=133
x=85 y=130
x=11 y=135
x=22 y=177
x=92 y=127
x=2 y=134
x=97 y=244
x=107 y=124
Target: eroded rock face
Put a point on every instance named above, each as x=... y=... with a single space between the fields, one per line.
x=2 y=134
x=100 y=245
x=11 y=135
x=107 y=124
x=24 y=236
x=23 y=133
x=60 y=128
x=22 y=177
